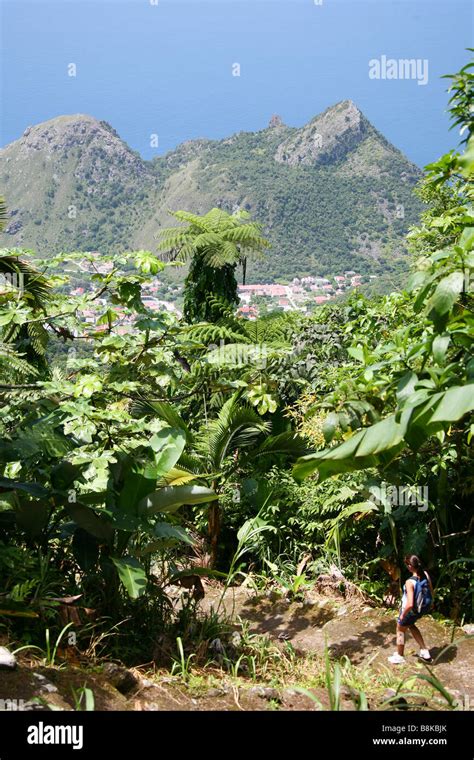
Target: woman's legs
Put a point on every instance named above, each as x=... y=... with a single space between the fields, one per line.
x=416 y=633
x=401 y=630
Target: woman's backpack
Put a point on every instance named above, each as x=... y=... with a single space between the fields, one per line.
x=423 y=598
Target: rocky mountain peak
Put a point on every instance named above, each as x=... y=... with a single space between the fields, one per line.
x=326 y=138
x=55 y=138
x=72 y=183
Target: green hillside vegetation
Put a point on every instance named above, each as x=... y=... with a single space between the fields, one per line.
x=73 y=184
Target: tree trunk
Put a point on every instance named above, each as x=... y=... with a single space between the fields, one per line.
x=214 y=530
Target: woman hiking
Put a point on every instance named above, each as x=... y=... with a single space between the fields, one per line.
x=417 y=600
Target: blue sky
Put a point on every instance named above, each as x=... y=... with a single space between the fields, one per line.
x=166 y=69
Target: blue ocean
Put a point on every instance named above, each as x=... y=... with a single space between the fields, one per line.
x=165 y=71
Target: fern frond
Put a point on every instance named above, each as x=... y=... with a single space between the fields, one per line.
x=206 y=334
x=13 y=366
x=38 y=337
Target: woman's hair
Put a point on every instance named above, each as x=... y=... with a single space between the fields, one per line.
x=415 y=562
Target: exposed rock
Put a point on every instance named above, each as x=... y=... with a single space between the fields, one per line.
x=458 y=697
x=121 y=678
x=236 y=639
x=34 y=707
x=14 y=227
x=396 y=702
x=334 y=584
x=121 y=199
x=145 y=683
x=217 y=692
x=45 y=685
x=328 y=137
x=275 y=121
x=265 y=692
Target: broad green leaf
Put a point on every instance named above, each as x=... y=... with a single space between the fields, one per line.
x=466 y=240
x=454 y=404
x=360 y=451
x=446 y=293
x=440 y=347
x=357 y=353
x=32 y=515
x=168 y=445
x=382 y=436
x=87 y=385
x=136 y=484
x=148 y=262
x=86 y=518
x=63 y=475
x=406 y=385
x=170 y=498
x=132 y=574
x=165 y=530
x=417 y=280
x=85 y=548
x=330 y=425
x=34 y=489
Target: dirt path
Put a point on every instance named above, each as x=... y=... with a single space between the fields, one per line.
x=351 y=627
x=342 y=620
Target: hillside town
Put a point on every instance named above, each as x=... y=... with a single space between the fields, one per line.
x=301 y=294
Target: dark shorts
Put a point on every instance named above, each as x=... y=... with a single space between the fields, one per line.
x=409 y=619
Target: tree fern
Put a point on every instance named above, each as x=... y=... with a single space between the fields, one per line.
x=216 y=242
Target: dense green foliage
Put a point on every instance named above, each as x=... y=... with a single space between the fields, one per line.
x=321 y=220
x=140 y=451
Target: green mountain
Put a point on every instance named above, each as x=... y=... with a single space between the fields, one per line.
x=332 y=195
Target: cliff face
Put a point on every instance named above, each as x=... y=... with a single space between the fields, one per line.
x=326 y=192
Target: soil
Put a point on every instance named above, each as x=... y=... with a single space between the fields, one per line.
x=343 y=621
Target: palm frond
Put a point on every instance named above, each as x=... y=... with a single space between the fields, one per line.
x=162 y=410
x=236 y=426
x=35 y=287
x=192 y=464
x=287 y=443
x=177 y=476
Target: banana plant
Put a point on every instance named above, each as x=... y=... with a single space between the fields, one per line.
x=124 y=523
